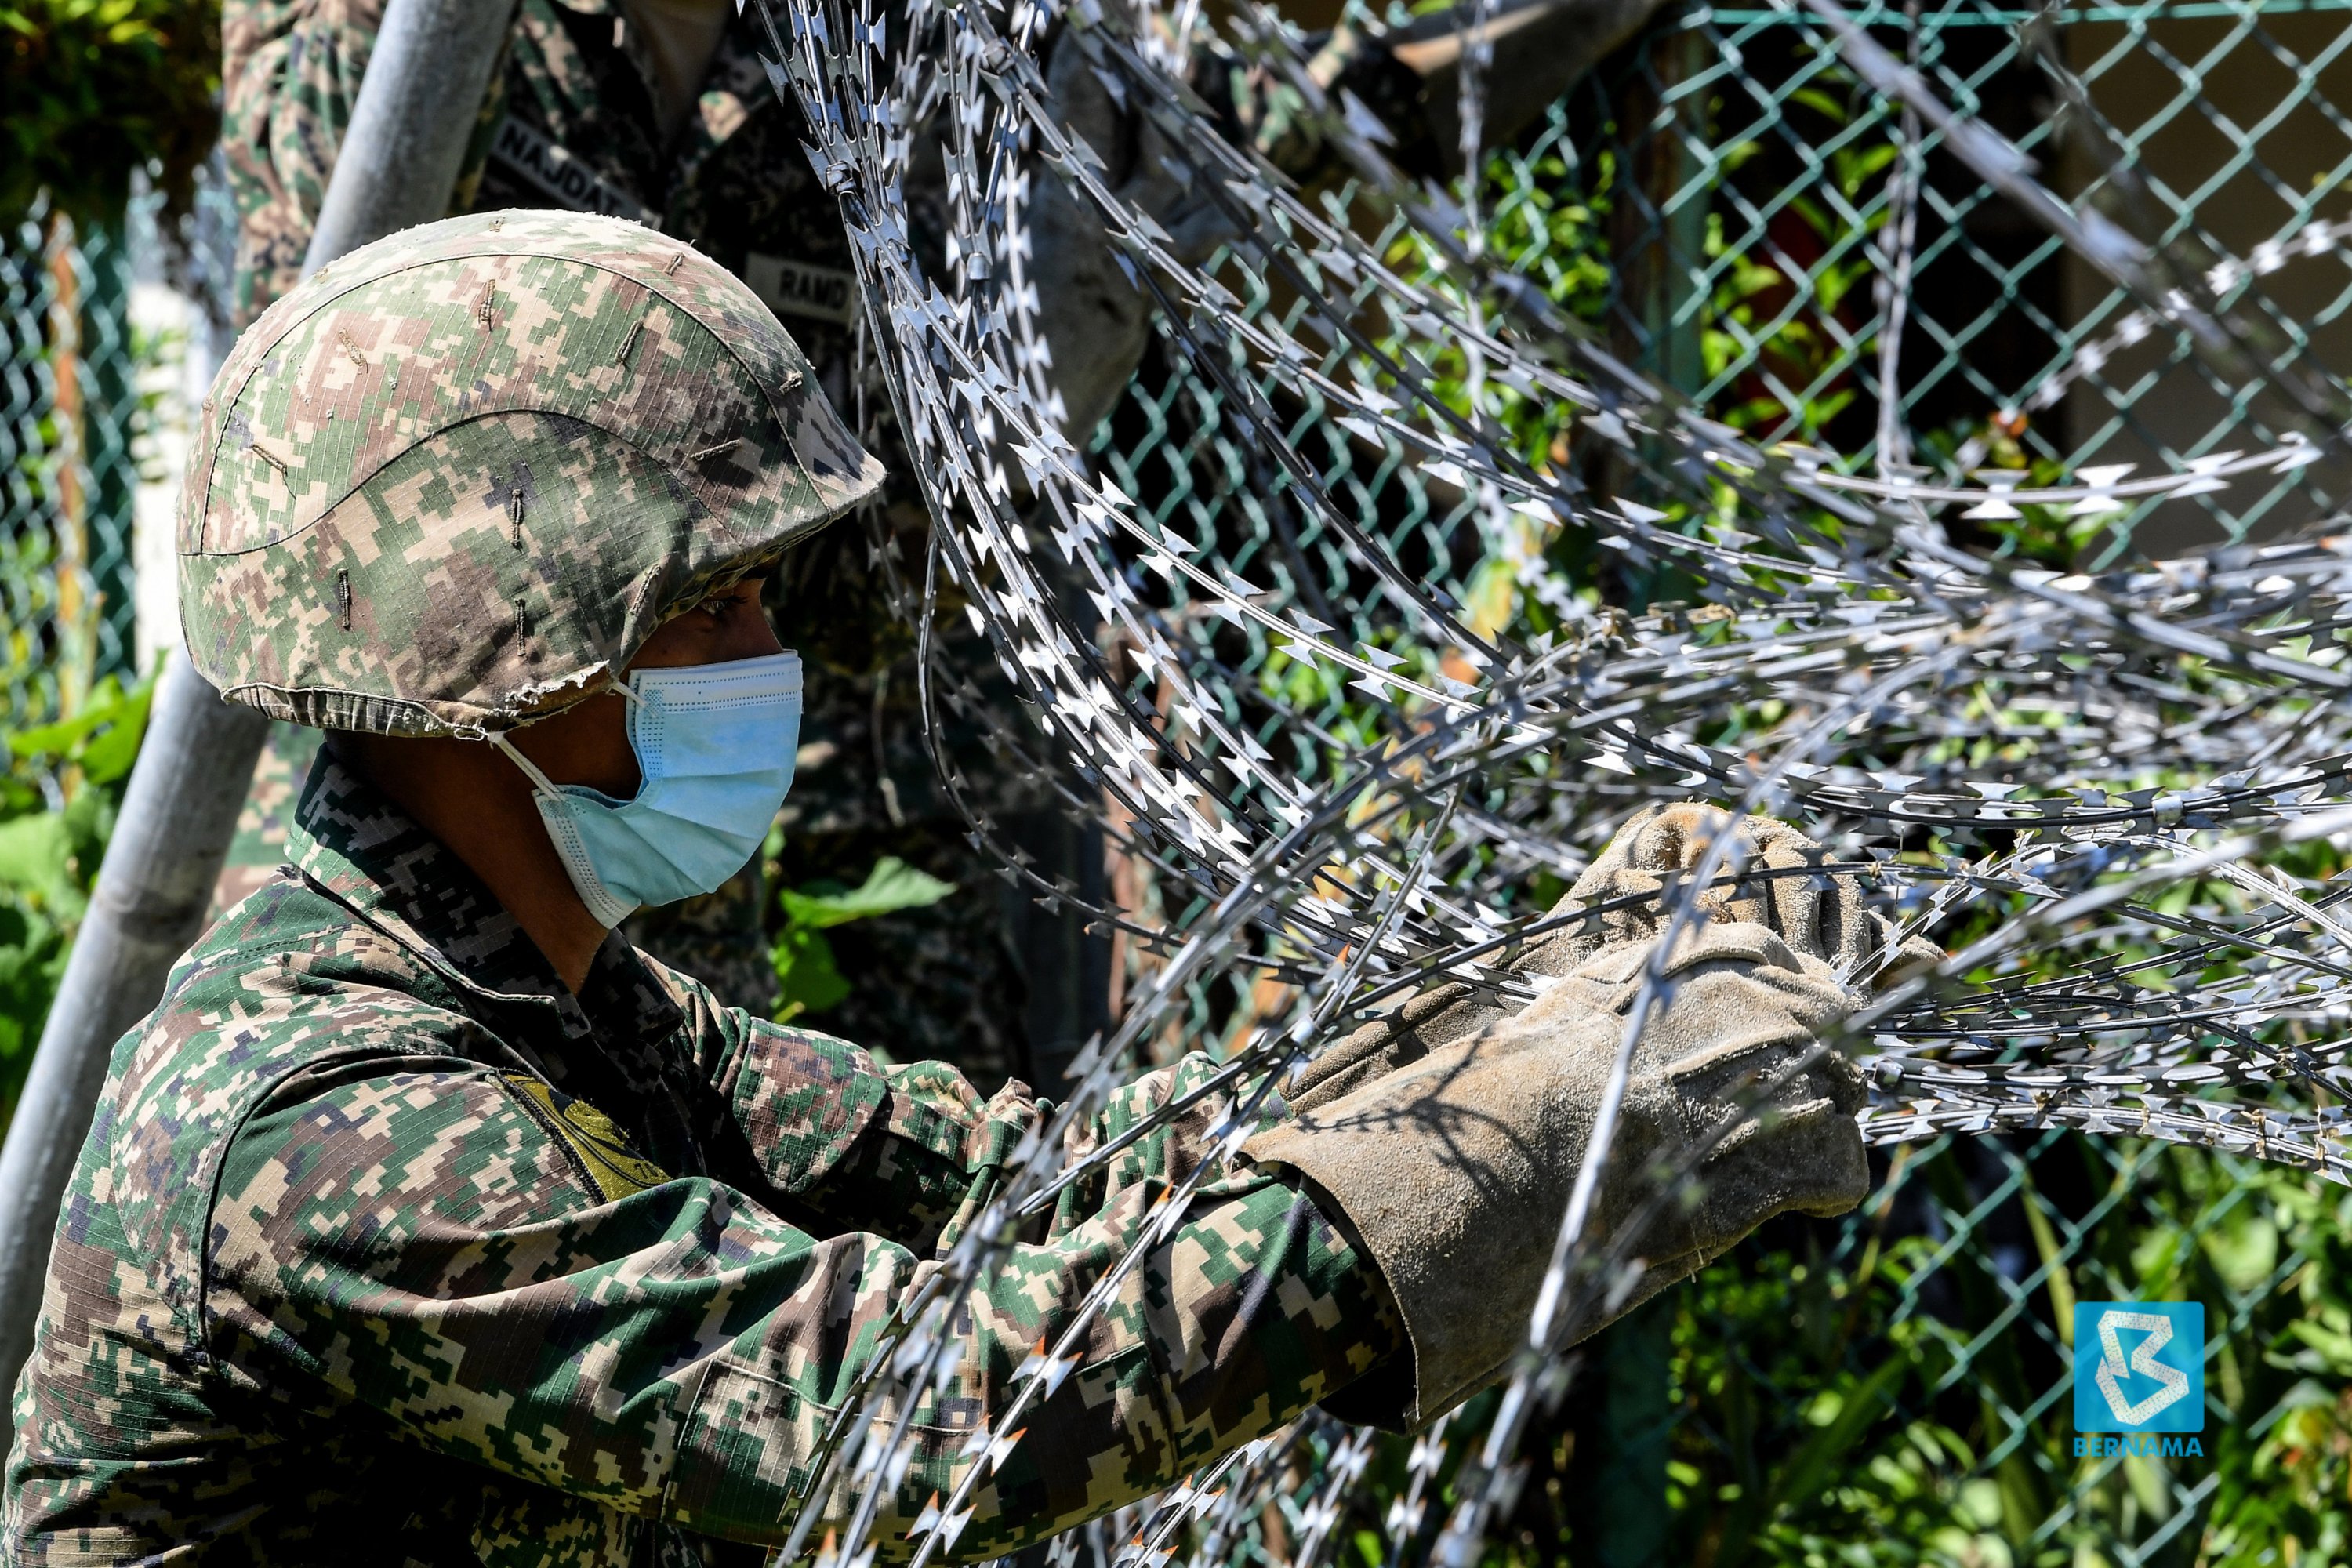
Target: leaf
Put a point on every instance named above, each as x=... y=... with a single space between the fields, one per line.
x=1855 y=167
x=36 y=856
x=1806 y=1471
x=2335 y=1348
x=32 y=961
x=102 y=738
x=58 y=738
x=807 y=979
x=892 y=885
x=1820 y=102
x=107 y=757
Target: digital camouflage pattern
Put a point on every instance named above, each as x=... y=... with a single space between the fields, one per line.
x=576 y=107
x=580 y=87
x=265 y=825
x=356 y=1262
x=570 y=122
x=453 y=483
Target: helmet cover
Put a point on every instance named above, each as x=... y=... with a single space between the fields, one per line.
x=453 y=481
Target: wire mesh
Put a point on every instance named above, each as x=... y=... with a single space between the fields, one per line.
x=1721 y=202
x=70 y=417
x=1761 y=218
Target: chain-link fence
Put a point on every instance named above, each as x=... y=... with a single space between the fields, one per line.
x=102 y=328
x=1770 y=184
x=106 y=337
x=69 y=420
x=1730 y=209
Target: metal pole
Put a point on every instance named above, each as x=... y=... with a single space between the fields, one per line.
x=415 y=111
x=417 y=108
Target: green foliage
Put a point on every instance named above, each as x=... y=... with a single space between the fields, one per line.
x=807 y=978
x=1894 y=1389
x=92 y=89
x=1545 y=225
x=100 y=742
x=58 y=795
x=1881 y=1393
x=29 y=582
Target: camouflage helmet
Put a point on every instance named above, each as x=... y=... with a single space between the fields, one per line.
x=454 y=481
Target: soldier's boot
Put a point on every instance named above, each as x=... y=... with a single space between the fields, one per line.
x=1455 y=1170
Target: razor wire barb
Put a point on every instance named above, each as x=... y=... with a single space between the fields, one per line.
x=2087 y=743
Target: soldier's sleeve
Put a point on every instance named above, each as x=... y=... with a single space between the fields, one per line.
x=434 y=1247
x=904 y=1151
x=898 y=1151
x=290 y=73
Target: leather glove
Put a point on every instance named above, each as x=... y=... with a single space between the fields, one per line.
x=1094 y=321
x=1454 y=1170
x=1822 y=916
x=1783 y=884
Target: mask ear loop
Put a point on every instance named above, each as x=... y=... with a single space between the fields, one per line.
x=530 y=770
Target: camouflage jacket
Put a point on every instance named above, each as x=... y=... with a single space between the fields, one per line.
x=570 y=122
x=386 y=1248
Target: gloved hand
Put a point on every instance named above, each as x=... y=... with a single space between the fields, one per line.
x=1455 y=1170
x=1781 y=882
x=1821 y=916
x=1094 y=320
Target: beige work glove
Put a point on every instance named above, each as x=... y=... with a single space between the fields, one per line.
x=1821 y=916
x=1453 y=1172
x=1094 y=319
x=1781 y=883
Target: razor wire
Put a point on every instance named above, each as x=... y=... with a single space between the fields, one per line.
x=1343 y=779
x=2158 y=725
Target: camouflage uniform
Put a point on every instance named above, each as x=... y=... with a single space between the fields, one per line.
x=383 y=1242
x=383 y=1247
x=570 y=122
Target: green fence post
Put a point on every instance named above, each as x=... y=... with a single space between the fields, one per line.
x=108 y=424
x=1619 y=1512
x=1618 y=1515
x=1657 y=226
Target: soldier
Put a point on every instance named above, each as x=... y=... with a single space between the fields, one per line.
x=426 y=1221
x=658 y=110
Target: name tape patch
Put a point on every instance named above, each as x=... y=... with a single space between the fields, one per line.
x=558 y=173
x=792 y=288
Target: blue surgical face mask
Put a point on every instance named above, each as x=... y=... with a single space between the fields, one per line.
x=715 y=745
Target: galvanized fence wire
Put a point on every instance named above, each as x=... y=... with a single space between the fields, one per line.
x=2019 y=1432
x=1395 y=545
x=1767 y=196
x=70 y=425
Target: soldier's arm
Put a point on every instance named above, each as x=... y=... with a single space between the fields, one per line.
x=431 y=1246
x=290 y=73
x=902 y=1151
